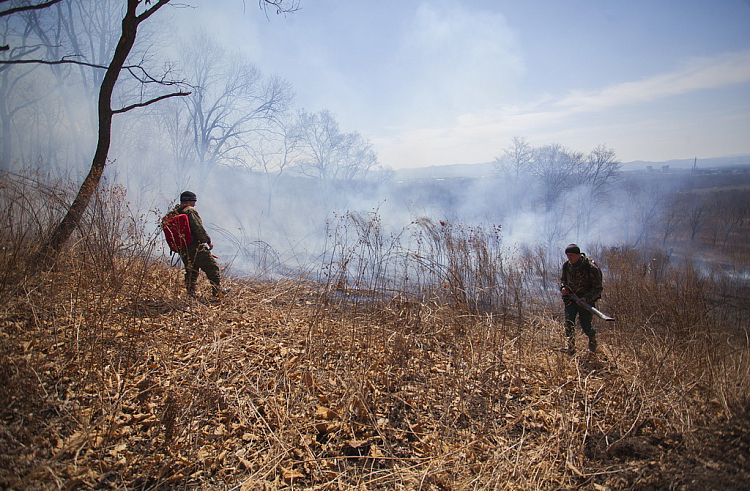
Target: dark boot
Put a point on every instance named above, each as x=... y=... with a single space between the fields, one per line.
x=592 y=343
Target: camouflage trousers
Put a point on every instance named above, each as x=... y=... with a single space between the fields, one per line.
x=198 y=259
x=573 y=310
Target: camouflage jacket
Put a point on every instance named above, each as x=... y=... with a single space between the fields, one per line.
x=584 y=278
x=200 y=236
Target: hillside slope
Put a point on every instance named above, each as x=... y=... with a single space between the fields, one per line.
x=113 y=379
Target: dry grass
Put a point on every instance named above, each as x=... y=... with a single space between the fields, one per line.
x=112 y=378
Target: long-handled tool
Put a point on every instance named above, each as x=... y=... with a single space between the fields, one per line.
x=588 y=306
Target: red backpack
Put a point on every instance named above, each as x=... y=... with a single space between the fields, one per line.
x=177 y=231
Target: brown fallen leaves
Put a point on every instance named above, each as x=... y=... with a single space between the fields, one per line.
x=281 y=386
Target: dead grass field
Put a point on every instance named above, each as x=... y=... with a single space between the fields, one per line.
x=275 y=387
x=111 y=378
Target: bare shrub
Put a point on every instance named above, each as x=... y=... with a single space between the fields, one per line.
x=32 y=204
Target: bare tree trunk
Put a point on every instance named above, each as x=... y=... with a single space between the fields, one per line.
x=65 y=228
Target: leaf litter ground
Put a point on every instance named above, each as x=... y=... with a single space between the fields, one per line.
x=283 y=386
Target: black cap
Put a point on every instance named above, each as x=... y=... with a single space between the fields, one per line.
x=188 y=196
x=572 y=248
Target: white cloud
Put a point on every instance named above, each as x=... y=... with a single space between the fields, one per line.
x=698 y=74
x=440 y=82
x=478 y=136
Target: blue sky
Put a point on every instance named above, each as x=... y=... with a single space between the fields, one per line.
x=442 y=82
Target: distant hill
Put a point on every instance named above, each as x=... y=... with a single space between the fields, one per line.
x=486 y=169
x=688 y=163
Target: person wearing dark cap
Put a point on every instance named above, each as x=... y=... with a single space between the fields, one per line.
x=581 y=276
x=196 y=255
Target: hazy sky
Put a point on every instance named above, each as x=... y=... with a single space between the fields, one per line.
x=443 y=82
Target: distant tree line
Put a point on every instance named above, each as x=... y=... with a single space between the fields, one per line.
x=587 y=198
x=568 y=191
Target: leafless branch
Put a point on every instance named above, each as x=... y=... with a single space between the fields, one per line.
x=281 y=6
x=144 y=77
x=149 y=102
x=64 y=61
x=26 y=8
x=145 y=15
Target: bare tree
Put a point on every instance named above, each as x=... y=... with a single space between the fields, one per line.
x=74 y=40
x=672 y=216
x=516 y=159
x=593 y=183
x=60 y=31
x=173 y=117
x=130 y=23
x=555 y=167
x=16 y=94
x=727 y=210
x=330 y=155
x=512 y=170
x=646 y=204
x=696 y=210
x=230 y=105
x=274 y=152
x=599 y=170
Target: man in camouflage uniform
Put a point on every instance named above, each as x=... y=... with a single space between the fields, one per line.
x=197 y=255
x=580 y=276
